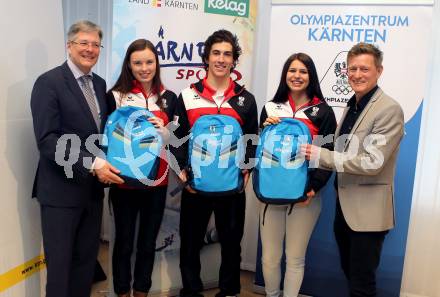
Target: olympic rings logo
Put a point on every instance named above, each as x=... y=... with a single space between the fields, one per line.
x=341 y=89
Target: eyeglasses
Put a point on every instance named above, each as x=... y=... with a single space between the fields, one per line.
x=85 y=44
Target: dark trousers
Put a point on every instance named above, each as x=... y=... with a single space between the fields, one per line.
x=229 y=214
x=71 y=243
x=360 y=256
x=127 y=204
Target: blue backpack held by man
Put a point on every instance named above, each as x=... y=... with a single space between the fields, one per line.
x=215 y=152
x=134 y=145
x=281 y=176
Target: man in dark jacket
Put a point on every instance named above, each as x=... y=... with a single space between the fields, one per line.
x=69 y=108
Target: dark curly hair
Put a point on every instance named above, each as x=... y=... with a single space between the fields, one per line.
x=222 y=36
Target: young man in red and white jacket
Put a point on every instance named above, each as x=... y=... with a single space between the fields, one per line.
x=216 y=94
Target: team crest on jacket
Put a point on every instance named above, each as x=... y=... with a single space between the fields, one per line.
x=314 y=112
x=240 y=101
x=164 y=103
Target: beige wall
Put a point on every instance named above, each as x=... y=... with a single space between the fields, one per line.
x=32 y=42
x=422 y=261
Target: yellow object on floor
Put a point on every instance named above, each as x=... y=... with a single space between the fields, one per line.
x=21 y=272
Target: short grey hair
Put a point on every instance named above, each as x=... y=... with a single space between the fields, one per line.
x=83 y=26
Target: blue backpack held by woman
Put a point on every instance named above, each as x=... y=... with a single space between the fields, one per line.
x=215 y=152
x=134 y=145
x=280 y=176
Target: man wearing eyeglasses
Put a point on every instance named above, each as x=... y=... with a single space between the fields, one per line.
x=69 y=110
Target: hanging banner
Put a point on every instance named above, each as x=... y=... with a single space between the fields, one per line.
x=326 y=33
x=178 y=29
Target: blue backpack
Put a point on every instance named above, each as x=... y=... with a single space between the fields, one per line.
x=215 y=152
x=280 y=176
x=134 y=145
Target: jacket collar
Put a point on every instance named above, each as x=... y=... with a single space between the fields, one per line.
x=139 y=89
x=74 y=87
x=315 y=101
x=206 y=91
x=352 y=103
x=374 y=97
x=77 y=73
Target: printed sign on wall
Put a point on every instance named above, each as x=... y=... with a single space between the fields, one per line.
x=326 y=33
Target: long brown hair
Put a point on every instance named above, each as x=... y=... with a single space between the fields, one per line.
x=124 y=84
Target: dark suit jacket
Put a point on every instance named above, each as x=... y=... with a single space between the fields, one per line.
x=60 y=108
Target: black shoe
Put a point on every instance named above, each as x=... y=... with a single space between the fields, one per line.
x=99 y=274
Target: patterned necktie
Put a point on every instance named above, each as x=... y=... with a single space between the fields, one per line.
x=90 y=98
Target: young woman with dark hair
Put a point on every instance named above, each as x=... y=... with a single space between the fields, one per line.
x=298 y=96
x=139 y=84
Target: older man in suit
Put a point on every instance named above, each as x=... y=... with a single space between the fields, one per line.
x=69 y=109
x=366 y=149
